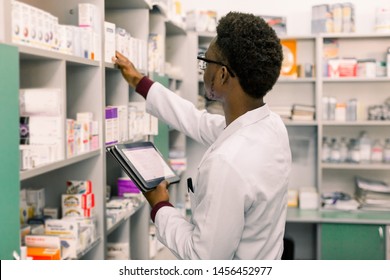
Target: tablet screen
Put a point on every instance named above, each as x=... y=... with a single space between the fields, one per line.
x=148 y=162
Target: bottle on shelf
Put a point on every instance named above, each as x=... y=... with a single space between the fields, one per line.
x=365 y=147
x=325 y=150
x=334 y=151
x=343 y=149
x=353 y=151
x=386 y=151
x=376 y=151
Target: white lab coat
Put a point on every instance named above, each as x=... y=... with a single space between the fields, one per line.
x=239 y=202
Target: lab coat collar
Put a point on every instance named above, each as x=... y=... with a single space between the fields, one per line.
x=246 y=119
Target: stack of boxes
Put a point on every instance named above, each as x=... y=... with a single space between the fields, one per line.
x=46 y=237
x=41 y=126
x=117 y=38
x=82 y=134
x=79 y=199
x=333 y=18
x=37 y=28
x=128 y=123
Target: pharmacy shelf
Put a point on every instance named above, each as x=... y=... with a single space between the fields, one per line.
x=354 y=35
x=174 y=29
x=298 y=37
x=209 y=35
x=300 y=123
x=296 y=215
x=355 y=80
x=357 y=166
x=296 y=80
x=356 y=123
x=89 y=248
x=24 y=175
x=125 y=217
x=126 y=4
x=32 y=53
x=160 y=9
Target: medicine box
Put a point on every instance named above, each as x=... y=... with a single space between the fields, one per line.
x=88 y=16
x=43 y=241
x=308 y=199
x=78 y=187
x=109 y=41
x=38 y=253
x=36 y=198
x=68 y=231
x=51 y=212
x=78 y=201
x=125 y=185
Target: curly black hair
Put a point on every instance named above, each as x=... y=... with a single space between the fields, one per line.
x=252 y=49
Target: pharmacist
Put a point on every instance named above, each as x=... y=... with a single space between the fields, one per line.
x=239 y=196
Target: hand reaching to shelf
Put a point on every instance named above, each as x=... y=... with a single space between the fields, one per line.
x=129 y=72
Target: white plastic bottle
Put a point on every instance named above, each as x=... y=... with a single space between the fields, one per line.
x=325 y=150
x=365 y=147
x=343 y=149
x=334 y=151
x=386 y=151
x=376 y=152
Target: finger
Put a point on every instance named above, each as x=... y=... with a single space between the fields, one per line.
x=120 y=55
x=163 y=185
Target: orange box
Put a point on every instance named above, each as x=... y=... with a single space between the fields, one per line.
x=38 y=253
x=289 y=64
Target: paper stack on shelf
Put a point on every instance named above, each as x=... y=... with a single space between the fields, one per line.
x=301 y=112
x=283 y=111
x=338 y=201
x=372 y=194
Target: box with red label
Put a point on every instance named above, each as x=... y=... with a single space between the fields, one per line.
x=78 y=205
x=345 y=67
x=82 y=201
x=76 y=212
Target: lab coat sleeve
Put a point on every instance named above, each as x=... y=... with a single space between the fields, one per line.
x=216 y=227
x=182 y=115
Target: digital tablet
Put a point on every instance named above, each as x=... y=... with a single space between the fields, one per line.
x=144 y=164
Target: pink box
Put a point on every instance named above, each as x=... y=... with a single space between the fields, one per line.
x=125 y=185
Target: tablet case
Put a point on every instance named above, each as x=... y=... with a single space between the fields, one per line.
x=132 y=172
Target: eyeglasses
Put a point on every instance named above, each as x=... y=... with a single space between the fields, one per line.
x=203 y=64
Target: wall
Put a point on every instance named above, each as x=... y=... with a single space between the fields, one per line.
x=1 y=16
x=298 y=15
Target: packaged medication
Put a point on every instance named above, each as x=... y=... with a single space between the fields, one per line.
x=65 y=37
x=40 y=28
x=88 y=16
x=17 y=21
x=86 y=42
x=366 y=68
x=382 y=20
x=109 y=41
x=25 y=27
x=78 y=187
x=36 y=198
x=121 y=41
x=340 y=112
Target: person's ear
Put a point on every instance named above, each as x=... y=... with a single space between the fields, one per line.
x=224 y=75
